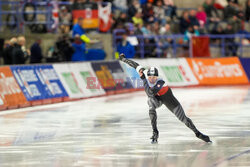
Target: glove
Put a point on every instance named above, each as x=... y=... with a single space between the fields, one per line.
x=122 y=56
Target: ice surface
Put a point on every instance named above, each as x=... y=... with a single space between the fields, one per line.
x=114 y=131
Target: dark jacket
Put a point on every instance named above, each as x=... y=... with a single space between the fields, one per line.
x=36 y=53
x=18 y=56
x=7 y=55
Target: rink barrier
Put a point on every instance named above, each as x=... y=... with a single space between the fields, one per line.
x=69 y=81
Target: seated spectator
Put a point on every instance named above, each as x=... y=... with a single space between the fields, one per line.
x=159 y=12
x=148 y=13
x=247 y=12
x=184 y=22
x=121 y=21
x=231 y=46
x=19 y=52
x=36 y=52
x=201 y=16
x=165 y=41
x=191 y=31
x=125 y=47
x=170 y=10
x=218 y=31
x=220 y=4
x=8 y=50
x=137 y=19
x=65 y=19
x=120 y=5
x=229 y=10
x=192 y=17
x=134 y=8
x=212 y=15
x=79 y=46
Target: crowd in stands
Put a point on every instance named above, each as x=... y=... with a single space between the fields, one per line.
x=138 y=17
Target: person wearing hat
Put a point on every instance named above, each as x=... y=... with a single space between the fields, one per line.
x=159 y=93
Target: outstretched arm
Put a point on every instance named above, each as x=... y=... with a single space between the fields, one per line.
x=130 y=62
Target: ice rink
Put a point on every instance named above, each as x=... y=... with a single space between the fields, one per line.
x=114 y=131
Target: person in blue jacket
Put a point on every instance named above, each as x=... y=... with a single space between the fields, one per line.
x=77 y=29
x=79 y=46
x=125 y=47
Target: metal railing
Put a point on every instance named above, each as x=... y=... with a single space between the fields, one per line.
x=226 y=45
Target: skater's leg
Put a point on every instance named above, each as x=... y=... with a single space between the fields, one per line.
x=153 y=104
x=180 y=114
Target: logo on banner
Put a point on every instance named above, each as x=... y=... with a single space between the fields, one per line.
x=8 y=85
x=71 y=82
x=85 y=75
x=105 y=77
x=175 y=73
x=216 y=70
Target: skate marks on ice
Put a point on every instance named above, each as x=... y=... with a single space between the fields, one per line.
x=115 y=131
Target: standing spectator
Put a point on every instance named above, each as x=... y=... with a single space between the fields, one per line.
x=77 y=29
x=247 y=12
x=134 y=8
x=201 y=16
x=65 y=19
x=19 y=53
x=159 y=12
x=36 y=52
x=184 y=22
x=79 y=46
x=125 y=47
x=8 y=50
x=148 y=13
x=64 y=49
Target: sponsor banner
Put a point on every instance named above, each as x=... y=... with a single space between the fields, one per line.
x=50 y=81
x=89 y=13
x=10 y=92
x=132 y=75
x=110 y=76
x=218 y=71
x=245 y=62
x=29 y=82
x=69 y=81
x=84 y=75
x=176 y=72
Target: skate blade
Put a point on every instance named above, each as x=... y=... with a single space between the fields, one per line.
x=154 y=142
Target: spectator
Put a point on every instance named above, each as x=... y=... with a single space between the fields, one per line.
x=77 y=29
x=125 y=47
x=213 y=18
x=79 y=46
x=137 y=19
x=159 y=12
x=64 y=49
x=65 y=18
x=138 y=30
x=247 y=12
x=231 y=46
x=218 y=31
x=165 y=42
x=134 y=8
x=121 y=5
x=170 y=11
x=120 y=21
x=36 y=52
x=148 y=13
x=19 y=53
x=191 y=31
x=235 y=22
x=192 y=17
x=184 y=22
x=8 y=50
x=201 y=16
x=229 y=11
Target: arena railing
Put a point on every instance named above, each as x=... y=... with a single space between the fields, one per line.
x=179 y=47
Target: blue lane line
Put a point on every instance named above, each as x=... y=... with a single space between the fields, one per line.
x=231 y=158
